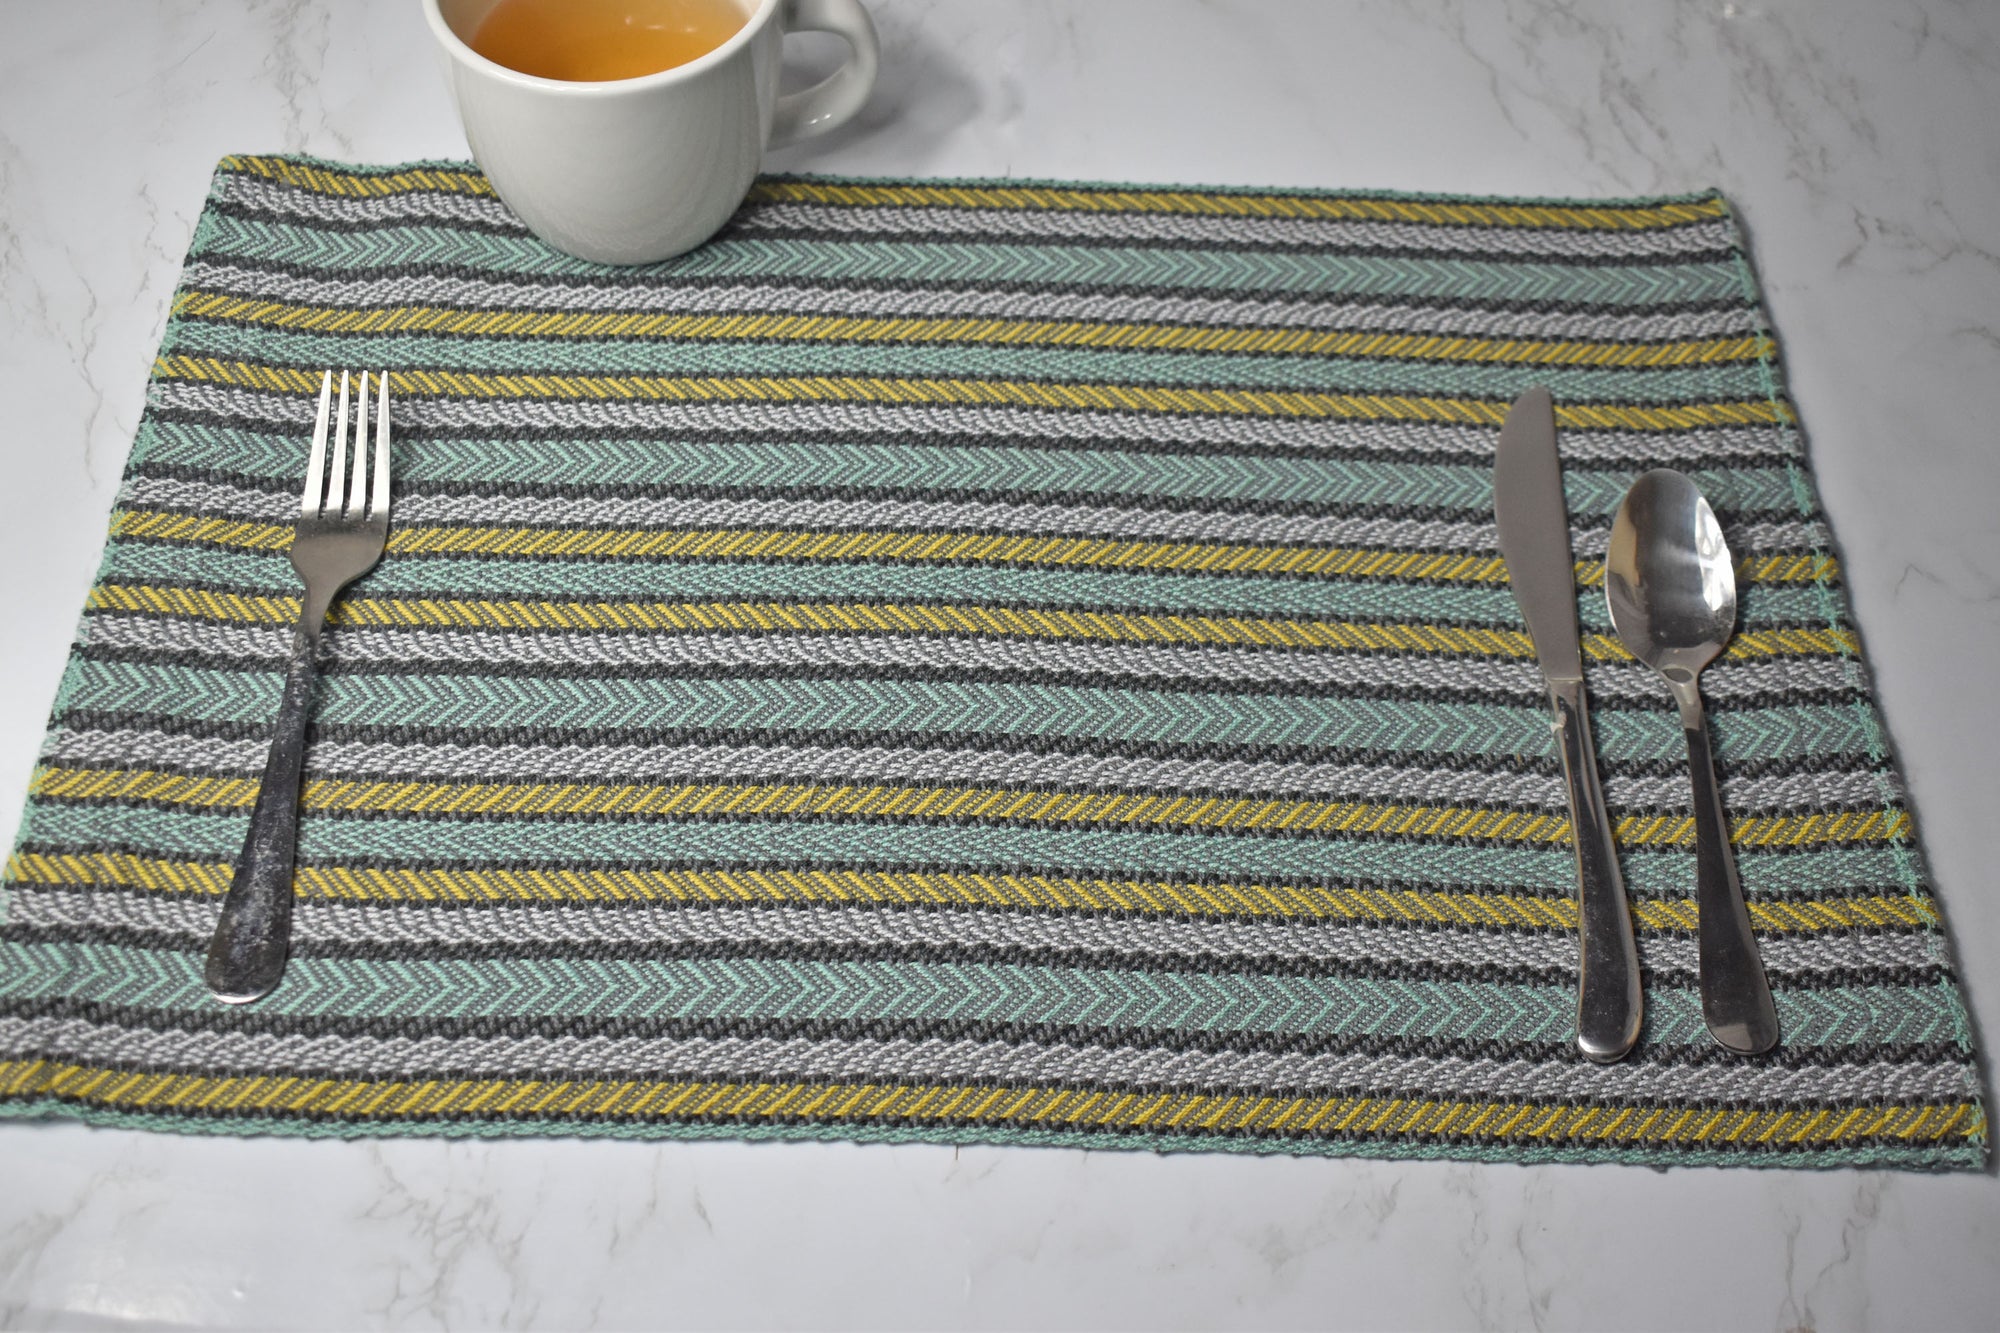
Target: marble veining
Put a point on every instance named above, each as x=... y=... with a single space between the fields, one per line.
x=1855 y=141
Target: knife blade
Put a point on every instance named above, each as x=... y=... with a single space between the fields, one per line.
x=1533 y=519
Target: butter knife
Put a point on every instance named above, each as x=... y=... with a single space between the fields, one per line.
x=1534 y=537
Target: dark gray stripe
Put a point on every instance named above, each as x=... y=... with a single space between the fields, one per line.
x=1790 y=792
x=293 y=412
x=1093 y=521
x=1518 y=681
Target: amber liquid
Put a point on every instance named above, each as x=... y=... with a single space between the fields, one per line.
x=590 y=41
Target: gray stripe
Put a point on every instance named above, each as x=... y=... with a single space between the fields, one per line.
x=319 y=922
x=1519 y=681
x=1051 y=227
x=440 y=206
x=294 y=412
x=742 y=763
x=1099 y=521
x=1839 y=789
x=758 y=651
x=1321 y=944
x=980 y=1061
x=1106 y=522
x=725 y=763
x=1000 y=225
x=1323 y=312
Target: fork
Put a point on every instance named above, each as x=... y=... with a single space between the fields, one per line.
x=339 y=537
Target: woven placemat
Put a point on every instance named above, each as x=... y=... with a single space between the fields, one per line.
x=962 y=661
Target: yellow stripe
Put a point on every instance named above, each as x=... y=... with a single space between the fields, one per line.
x=1269 y=341
x=241 y=535
x=1042 y=1108
x=914 y=618
x=1440 y=212
x=788 y=544
x=864 y=888
x=953 y=392
x=1593 y=217
x=359 y=185
x=991 y=804
x=1811 y=568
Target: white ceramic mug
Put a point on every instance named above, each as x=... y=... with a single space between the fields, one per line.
x=628 y=171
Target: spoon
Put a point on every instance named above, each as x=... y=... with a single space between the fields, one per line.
x=1673 y=602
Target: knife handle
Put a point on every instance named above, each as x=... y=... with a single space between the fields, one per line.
x=1608 y=1003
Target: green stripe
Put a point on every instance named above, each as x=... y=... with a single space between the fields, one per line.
x=943 y=707
x=666 y=464
x=272 y=575
x=832 y=705
x=1333 y=860
x=724 y=989
x=653 y=357
x=979 y=261
x=777 y=989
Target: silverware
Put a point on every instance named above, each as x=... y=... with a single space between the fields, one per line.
x=1673 y=601
x=338 y=538
x=1534 y=538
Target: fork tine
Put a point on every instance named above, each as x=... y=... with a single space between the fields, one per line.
x=357 y=493
x=380 y=507
x=336 y=481
x=316 y=463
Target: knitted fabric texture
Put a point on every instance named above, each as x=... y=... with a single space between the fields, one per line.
x=963 y=661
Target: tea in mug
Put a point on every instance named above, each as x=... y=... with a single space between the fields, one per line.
x=591 y=41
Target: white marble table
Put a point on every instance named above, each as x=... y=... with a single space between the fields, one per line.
x=1856 y=139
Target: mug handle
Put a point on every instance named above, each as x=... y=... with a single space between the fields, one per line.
x=833 y=100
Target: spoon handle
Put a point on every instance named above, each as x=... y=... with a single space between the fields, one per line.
x=1735 y=997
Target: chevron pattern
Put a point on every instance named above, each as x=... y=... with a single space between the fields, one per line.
x=821 y=261
x=1062 y=333
x=761 y=465
x=962 y=661
x=961 y=994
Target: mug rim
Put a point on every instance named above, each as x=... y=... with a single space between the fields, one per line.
x=461 y=51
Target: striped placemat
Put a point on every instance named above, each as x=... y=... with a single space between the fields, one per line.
x=962 y=661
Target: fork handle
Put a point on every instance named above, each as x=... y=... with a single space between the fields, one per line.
x=247 y=955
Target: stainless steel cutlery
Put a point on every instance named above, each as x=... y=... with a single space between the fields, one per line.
x=1534 y=538
x=1672 y=592
x=342 y=527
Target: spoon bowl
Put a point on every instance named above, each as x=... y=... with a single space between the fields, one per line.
x=1668 y=577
